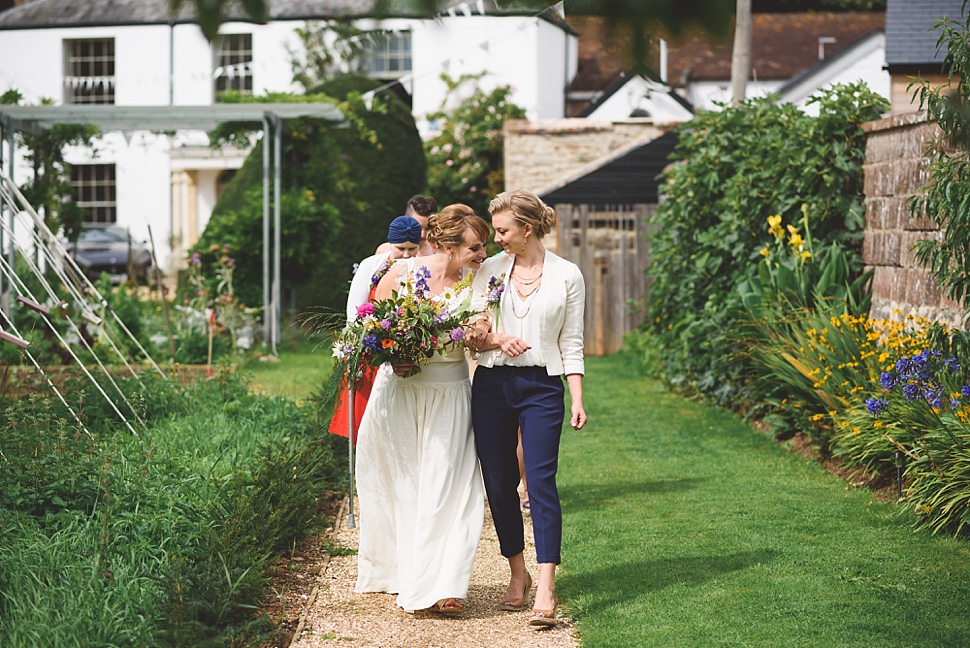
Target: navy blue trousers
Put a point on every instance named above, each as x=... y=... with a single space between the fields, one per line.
x=505 y=399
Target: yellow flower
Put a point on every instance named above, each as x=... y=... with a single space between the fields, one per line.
x=765 y=252
x=806 y=255
x=818 y=417
x=796 y=240
x=856 y=430
x=774 y=221
x=792 y=230
x=877 y=424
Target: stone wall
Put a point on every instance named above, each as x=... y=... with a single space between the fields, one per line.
x=539 y=153
x=895 y=169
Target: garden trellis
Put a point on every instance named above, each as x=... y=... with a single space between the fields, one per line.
x=41 y=248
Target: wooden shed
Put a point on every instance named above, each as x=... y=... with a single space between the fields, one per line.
x=602 y=211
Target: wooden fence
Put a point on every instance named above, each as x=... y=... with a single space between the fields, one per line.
x=610 y=248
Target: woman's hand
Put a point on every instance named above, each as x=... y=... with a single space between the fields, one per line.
x=402 y=369
x=511 y=345
x=476 y=334
x=577 y=418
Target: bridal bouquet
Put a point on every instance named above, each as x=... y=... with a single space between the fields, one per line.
x=411 y=326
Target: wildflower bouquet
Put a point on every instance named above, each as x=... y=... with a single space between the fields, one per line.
x=411 y=326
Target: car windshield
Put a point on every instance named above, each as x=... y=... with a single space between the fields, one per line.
x=103 y=235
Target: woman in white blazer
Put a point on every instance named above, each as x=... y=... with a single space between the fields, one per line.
x=535 y=302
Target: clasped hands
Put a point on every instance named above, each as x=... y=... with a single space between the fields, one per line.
x=479 y=337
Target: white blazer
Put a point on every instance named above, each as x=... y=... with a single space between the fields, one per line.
x=560 y=304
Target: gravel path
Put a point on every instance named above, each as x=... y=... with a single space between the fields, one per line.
x=339 y=617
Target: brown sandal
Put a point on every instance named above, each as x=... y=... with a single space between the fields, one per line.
x=446 y=606
x=545 y=618
x=515 y=605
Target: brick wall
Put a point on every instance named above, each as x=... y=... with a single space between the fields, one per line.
x=895 y=169
x=541 y=152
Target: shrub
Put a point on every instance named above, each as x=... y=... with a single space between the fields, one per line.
x=733 y=170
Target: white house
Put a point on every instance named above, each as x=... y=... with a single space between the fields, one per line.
x=131 y=53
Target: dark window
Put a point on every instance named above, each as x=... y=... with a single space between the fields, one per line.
x=235 y=64
x=388 y=56
x=90 y=71
x=95 y=191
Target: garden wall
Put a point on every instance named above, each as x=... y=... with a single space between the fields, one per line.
x=536 y=154
x=896 y=167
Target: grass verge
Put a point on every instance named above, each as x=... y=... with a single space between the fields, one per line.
x=684 y=527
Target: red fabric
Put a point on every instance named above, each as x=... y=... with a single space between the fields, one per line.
x=338 y=424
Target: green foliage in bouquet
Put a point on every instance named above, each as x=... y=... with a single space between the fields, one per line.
x=410 y=327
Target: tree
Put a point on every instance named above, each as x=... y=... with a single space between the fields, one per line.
x=329 y=48
x=340 y=189
x=49 y=191
x=465 y=157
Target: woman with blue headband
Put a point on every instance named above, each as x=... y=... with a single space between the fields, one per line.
x=404 y=237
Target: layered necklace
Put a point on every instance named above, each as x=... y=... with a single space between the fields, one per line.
x=520 y=281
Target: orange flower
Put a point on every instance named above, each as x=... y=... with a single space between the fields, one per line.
x=387 y=344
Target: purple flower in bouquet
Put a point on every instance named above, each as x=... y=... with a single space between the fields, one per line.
x=457 y=334
x=365 y=309
x=442 y=316
x=496 y=286
x=370 y=341
x=386 y=324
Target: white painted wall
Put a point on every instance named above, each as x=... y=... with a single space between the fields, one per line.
x=703 y=94
x=865 y=62
x=641 y=93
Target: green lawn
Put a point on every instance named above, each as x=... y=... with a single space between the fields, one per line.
x=684 y=527
x=301 y=371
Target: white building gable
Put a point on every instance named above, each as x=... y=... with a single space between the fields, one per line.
x=639 y=97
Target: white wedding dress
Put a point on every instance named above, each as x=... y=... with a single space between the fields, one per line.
x=419 y=485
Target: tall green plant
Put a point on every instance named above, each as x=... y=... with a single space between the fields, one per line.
x=946 y=200
x=733 y=170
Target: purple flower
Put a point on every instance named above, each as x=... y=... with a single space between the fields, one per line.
x=876 y=405
x=356 y=266
x=887 y=380
x=386 y=324
x=442 y=316
x=370 y=341
x=965 y=391
x=952 y=364
x=457 y=334
x=911 y=391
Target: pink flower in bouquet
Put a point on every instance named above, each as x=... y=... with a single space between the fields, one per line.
x=365 y=309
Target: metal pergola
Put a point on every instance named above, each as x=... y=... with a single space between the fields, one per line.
x=35 y=120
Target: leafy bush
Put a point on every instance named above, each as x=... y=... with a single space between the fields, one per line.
x=341 y=187
x=465 y=157
x=734 y=169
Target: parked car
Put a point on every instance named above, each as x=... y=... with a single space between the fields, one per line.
x=108 y=248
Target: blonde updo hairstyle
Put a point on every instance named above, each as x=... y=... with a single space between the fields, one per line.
x=447 y=227
x=526 y=209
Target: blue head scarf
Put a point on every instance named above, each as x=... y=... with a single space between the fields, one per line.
x=404 y=229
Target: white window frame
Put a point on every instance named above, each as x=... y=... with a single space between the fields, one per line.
x=388 y=55
x=231 y=73
x=89 y=77
x=89 y=178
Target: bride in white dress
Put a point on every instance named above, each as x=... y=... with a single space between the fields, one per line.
x=418 y=478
